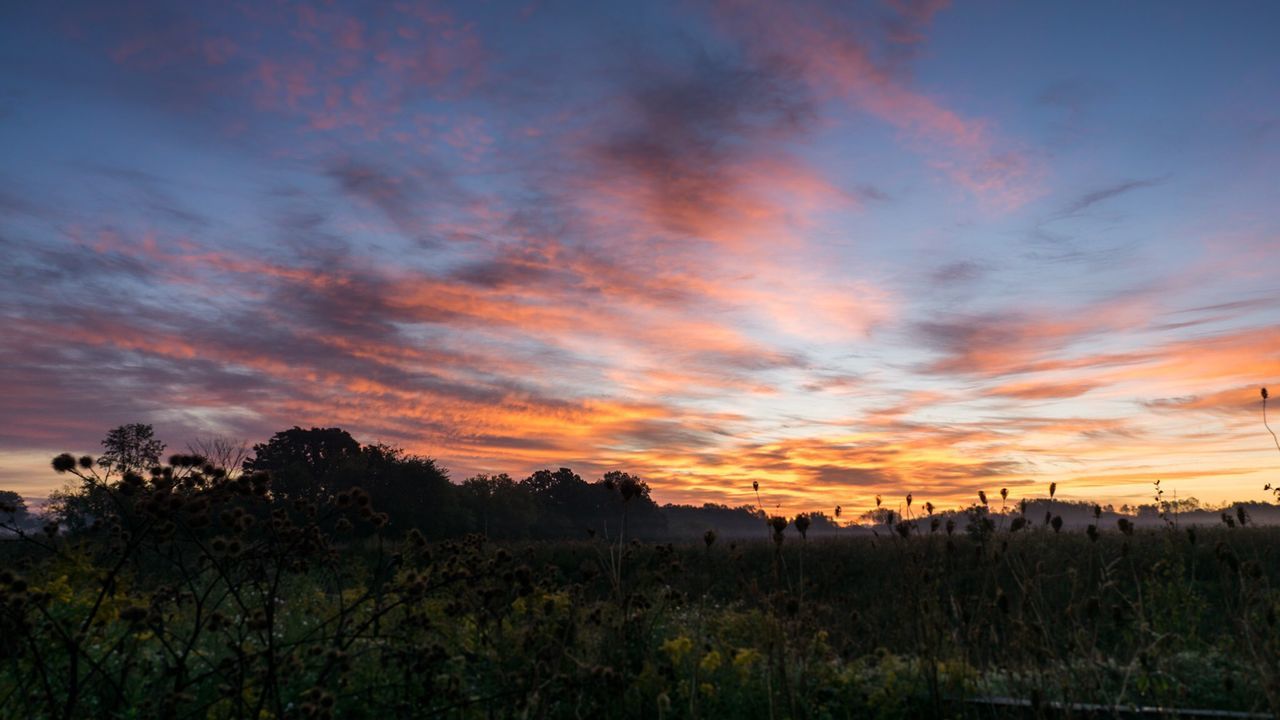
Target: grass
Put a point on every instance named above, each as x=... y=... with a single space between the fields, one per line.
x=147 y=619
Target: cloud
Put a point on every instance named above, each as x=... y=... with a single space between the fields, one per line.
x=1096 y=197
x=824 y=41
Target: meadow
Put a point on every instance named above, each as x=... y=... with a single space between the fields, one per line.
x=203 y=594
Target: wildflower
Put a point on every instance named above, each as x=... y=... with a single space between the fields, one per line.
x=1097 y=512
x=711 y=661
x=928 y=507
x=64 y=463
x=1264 y=393
x=1017 y=524
x=677 y=648
x=744 y=658
x=1053 y=488
x=1242 y=515
x=982 y=495
x=838 y=511
x=877 y=501
x=1057 y=523
x=908 y=499
x=1092 y=532
x=951 y=525
x=755 y=485
x=778 y=523
x=709 y=537
x=1125 y=525
x=1004 y=493
x=933 y=525
x=86 y=462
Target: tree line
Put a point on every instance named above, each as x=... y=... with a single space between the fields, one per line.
x=413 y=491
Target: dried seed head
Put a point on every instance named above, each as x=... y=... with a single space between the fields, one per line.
x=909 y=498
x=802 y=524
x=982 y=495
x=1264 y=393
x=1057 y=523
x=1004 y=493
x=1053 y=488
x=709 y=537
x=64 y=463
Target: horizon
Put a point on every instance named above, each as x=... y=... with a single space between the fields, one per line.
x=890 y=248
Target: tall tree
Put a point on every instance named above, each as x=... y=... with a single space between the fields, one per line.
x=130 y=448
x=304 y=463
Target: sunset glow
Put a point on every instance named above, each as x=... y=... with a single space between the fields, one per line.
x=843 y=251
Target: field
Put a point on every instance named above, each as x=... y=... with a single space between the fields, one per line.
x=204 y=597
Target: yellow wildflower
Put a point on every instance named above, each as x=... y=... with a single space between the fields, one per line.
x=711 y=661
x=677 y=648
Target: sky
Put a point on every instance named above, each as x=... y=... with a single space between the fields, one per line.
x=842 y=249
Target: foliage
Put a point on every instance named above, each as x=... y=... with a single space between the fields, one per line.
x=206 y=594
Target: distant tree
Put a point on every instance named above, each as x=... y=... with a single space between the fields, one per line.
x=564 y=502
x=220 y=451
x=412 y=489
x=14 y=515
x=304 y=463
x=130 y=448
x=498 y=506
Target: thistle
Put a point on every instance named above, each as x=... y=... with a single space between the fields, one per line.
x=802 y=523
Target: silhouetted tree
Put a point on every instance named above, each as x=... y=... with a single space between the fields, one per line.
x=498 y=506
x=304 y=463
x=130 y=448
x=129 y=451
x=13 y=513
x=413 y=490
